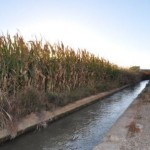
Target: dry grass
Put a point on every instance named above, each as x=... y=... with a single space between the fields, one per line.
x=35 y=74
x=133 y=128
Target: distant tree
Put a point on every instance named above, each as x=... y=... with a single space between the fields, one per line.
x=135 y=68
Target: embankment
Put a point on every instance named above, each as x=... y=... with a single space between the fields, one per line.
x=38 y=120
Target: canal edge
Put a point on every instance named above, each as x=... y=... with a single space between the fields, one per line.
x=36 y=121
x=118 y=133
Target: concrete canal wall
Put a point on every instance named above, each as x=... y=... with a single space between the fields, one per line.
x=39 y=120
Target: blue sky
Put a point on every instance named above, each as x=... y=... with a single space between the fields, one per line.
x=118 y=30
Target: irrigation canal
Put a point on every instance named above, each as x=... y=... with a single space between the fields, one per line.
x=81 y=130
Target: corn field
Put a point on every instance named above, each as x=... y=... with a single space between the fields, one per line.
x=50 y=68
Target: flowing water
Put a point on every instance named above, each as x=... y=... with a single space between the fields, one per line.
x=81 y=130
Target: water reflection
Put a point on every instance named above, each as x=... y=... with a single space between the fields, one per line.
x=81 y=130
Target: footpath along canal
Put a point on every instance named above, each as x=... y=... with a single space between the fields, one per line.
x=81 y=130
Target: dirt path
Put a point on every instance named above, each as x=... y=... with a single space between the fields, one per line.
x=132 y=130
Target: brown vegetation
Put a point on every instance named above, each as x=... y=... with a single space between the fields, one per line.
x=36 y=76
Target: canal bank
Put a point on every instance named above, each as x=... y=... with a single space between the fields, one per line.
x=131 y=131
x=40 y=120
x=82 y=129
